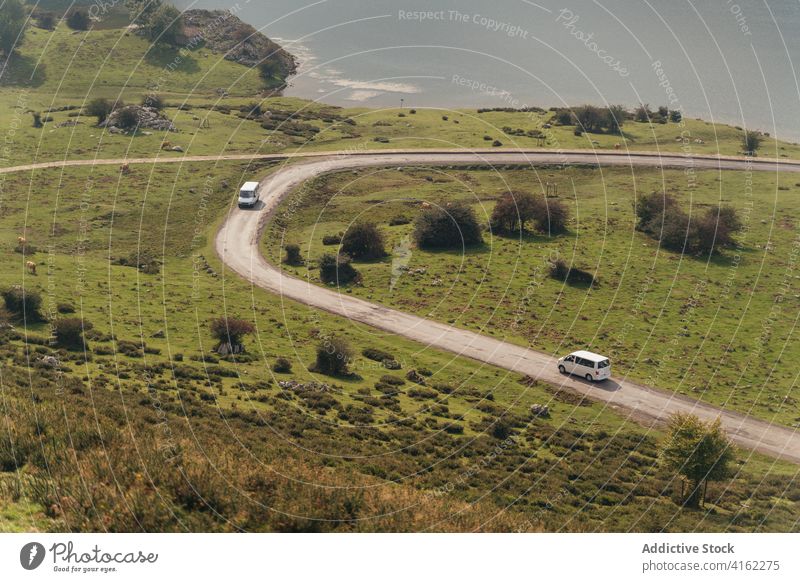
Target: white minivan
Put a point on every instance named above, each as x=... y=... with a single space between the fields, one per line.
x=591 y=366
x=248 y=194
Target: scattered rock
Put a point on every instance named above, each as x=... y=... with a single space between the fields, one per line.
x=50 y=361
x=223 y=32
x=148 y=117
x=159 y=334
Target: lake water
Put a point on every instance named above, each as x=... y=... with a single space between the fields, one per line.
x=721 y=60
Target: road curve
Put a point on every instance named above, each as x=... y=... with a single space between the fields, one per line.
x=237 y=243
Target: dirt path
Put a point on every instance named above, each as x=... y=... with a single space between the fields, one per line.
x=237 y=244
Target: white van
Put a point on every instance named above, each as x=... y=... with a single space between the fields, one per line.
x=248 y=194
x=591 y=366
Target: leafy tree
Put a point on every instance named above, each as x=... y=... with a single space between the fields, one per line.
x=643 y=113
x=650 y=210
x=751 y=141
x=69 y=331
x=550 y=216
x=267 y=70
x=675 y=116
x=78 y=20
x=363 y=240
x=450 y=227
x=333 y=357
x=590 y=119
x=13 y=20
x=337 y=269
x=165 y=25
x=677 y=232
x=615 y=118
x=512 y=211
x=141 y=11
x=715 y=229
x=99 y=108
x=700 y=452
x=230 y=332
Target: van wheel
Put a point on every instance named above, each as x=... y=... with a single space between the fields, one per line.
x=562 y=369
x=589 y=377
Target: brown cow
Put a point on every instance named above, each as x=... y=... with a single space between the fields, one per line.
x=31 y=267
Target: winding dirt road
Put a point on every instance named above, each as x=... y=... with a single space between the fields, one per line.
x=237 y=244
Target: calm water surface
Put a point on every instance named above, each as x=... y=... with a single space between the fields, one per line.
x=735 y=62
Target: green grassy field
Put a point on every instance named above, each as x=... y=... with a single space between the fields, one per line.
x=719 y=329
x=66 y=69
x=585 y=468
x=171 y=437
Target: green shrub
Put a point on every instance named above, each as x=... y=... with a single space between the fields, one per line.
x=451 y=227
x=293 y=256
x=363 y=241
x=282 y=366
x=337 y=269
x=331 y=239
x=333 y=357
x=376 y=354
x=23 y=302
x=69 y=331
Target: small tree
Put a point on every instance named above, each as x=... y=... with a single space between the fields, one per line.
x=69 y=331
x=78 y=20
x=337 y=269
x=267 y=70
x=615 y=118
x=99 y=108
x=698 y=451
x=230 y=332
x=13 y=20
x=751 y=141
x=293 y=256
x=675 y=116
x=550 y=216
x=590 y=119
x=677 y=231
x=165 y=25
x=363 y=241
x=23 y=302
x=642 y=113
x=650 y=210
x=333 y=357
x=450 y=227
x=512 y=211
x=715 y=229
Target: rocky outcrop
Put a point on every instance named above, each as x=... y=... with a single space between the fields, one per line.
x=222 y=32
x=149 y=118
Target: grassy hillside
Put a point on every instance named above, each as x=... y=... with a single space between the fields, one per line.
x=175 y=438
x=66 y=69
x=718 y=329
x=147 y=429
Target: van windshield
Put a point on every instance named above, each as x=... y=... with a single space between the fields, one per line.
x=245 y=194
x=603 y=364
